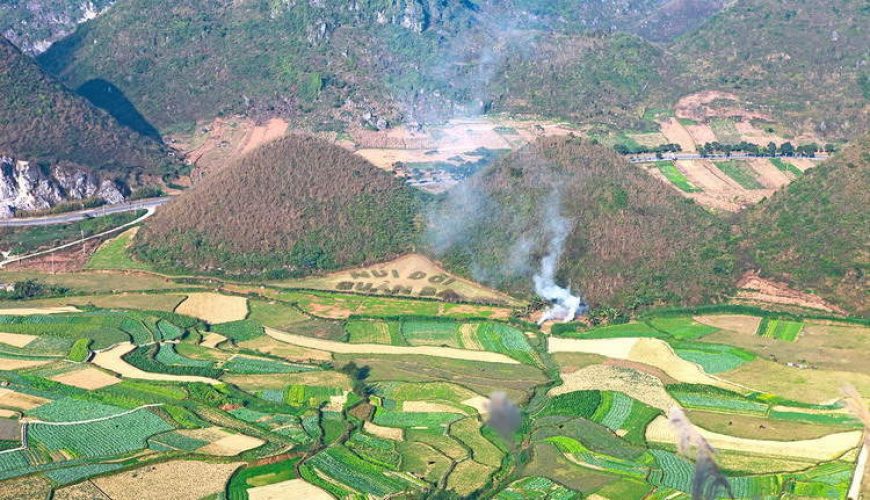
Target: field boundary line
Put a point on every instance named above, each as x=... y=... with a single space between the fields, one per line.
x=26 y=423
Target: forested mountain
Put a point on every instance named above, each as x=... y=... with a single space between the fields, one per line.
x=292 y=207
x=805 y=62
x=629 y=241
x=814 y=234
x=41 y=120
x=333 y=62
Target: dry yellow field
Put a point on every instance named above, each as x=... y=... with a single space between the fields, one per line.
x=222 y=443
x=675 y=133
x=409 y=275
x=9 y=364
x=479 y=403
x=640 y=386
x=88 y=377
x=177 y=479
x=30 y=311
x=214 y=307
x=429 y=407
x=824 y=448
x=110 y=359
x=343 y=348
x=293 y=488
x=20 y=401
x=732 y=322
x=268 y=345
x=394 y=433
x=16 y=339
x=212 y=340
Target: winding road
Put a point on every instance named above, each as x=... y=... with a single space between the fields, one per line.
x=67 y=217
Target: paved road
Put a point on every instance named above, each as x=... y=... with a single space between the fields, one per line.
x=8 y=259
x=647 y=158
x=68 y=217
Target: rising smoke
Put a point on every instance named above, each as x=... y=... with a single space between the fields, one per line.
x=708 y=482
x=565 y=306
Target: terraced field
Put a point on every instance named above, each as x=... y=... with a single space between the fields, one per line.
x=323 y=393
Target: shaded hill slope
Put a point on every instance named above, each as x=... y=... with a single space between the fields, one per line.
x=329 y=63
x=632 y=242
x=814 y=233
x=291 y=207
x=40 y=120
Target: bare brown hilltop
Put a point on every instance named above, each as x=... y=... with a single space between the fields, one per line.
x=291 y=207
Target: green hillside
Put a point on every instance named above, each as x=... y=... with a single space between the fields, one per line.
x=796 y=60
x=292 y=207
x=632 y=241
x=41 y=120
x=813 y=234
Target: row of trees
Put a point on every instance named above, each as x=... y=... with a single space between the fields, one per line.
x=711 y=148
x=625 y=149
x=785 y=149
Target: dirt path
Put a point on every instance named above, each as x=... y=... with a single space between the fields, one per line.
x=342 y=348
x=111 y=360
x=30 y=311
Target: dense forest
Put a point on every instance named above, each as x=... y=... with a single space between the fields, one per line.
x=631 y=240
x=813 y=234
x=291 y=207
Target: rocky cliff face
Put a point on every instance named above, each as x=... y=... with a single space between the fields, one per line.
x=33 y=25
x=26 y=186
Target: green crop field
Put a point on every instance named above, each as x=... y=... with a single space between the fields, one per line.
x=786 y=167
x=356 y=424
x=780 y=329
x=104 y=438
x=113 y=254
x=740 y=173
x=676 y=177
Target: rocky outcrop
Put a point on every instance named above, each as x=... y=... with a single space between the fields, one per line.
x=35 y=25
x=27 y=186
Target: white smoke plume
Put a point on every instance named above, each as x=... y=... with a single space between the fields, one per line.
x=565 y=306
x=708 y=483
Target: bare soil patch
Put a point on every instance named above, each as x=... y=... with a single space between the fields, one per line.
x=429 y=407
x=747 y=325
x=111 y=359
x=87 y=378
x=85 y=490
x=701 y=133
x=268 y=345
x=824 y=448
x=19 y=400
x=393 y=433
x=62 y=261
x=408 y=275
x=31 y=487
x=641 y=386
x=16 y=339
x=293 y=488
x=714 y=103
x=675 y=133
x=719 y=190
x=212 y=340
x=754 y=288
x=214 y=307
x=262 y=134
x=767 y=174
x=222 y=443
x=171 y=479
x=9 y=364
x=30 y=311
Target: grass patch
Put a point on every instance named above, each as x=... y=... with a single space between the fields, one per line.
x=786 y=167
x=80 y=350
x=113 y=255
x=740 y=173
x=676 y=177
